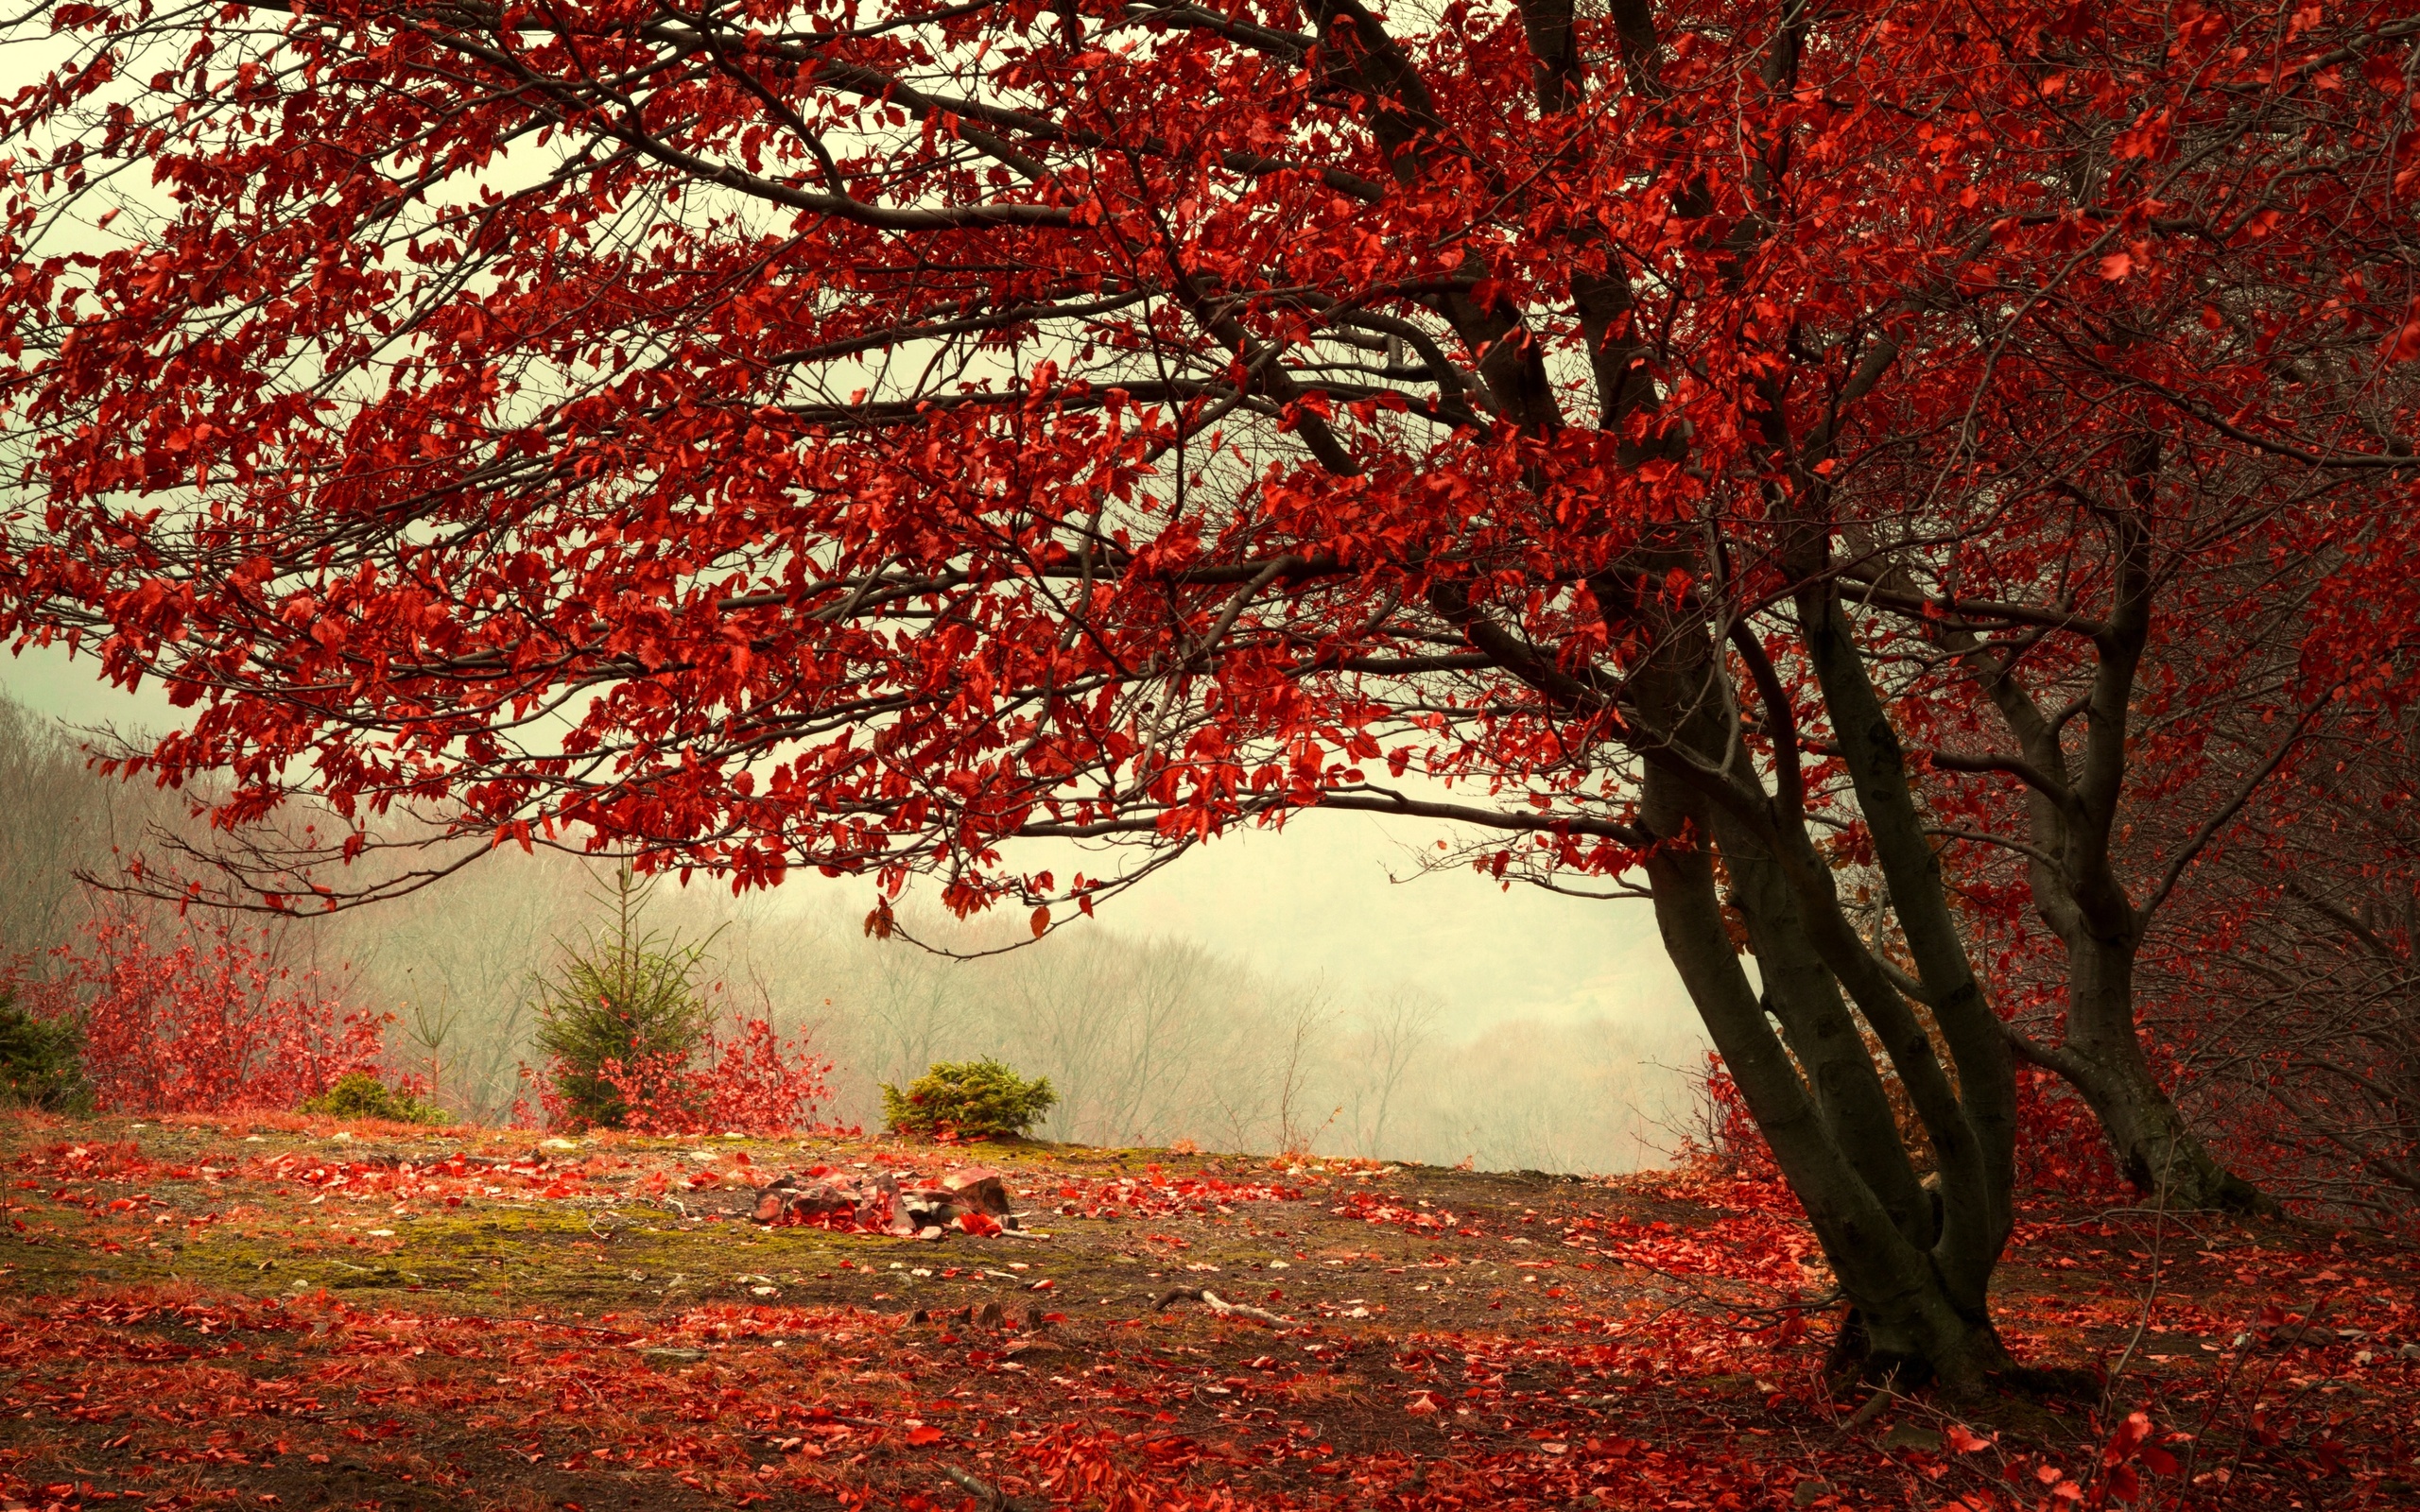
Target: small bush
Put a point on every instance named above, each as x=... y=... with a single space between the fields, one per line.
x=621 y=1022
x=981 y=1099
x=751 y=1080
x=359 y=1094
x=41 y=1059
x=194 y=1017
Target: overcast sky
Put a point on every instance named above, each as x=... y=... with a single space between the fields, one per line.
x=1317 y=899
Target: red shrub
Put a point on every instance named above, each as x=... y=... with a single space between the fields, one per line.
x=754 y=1081
x=758 y=1083
x=1725 y=1134
x=207 y=1025
x=2060 y=1146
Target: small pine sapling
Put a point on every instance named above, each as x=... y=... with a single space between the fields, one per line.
x=622 y=1019
x=41 y=1059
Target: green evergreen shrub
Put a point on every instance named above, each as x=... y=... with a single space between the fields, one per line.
x=622 y=1019
x=359 y=1094
x=41 y=1059
x=982 y=1098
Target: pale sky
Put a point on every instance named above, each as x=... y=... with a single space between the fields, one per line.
x=1314 y=899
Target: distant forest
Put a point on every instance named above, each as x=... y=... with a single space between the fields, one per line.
x=1150 y=1040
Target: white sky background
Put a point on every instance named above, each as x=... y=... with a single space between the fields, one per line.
x=1316 y=899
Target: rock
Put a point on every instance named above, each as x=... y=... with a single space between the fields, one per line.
x=796 y=1199
x=878 y=1205
x=671 y=1356
x=1910 y=1436
x=979 y=1188
x=990 y=1315
x=929 y=1207
x=972 y=1197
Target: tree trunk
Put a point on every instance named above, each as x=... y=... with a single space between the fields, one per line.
x=2071 y=800
x=2102 y=1058
x=1906 y=1320
x=1918 y=1281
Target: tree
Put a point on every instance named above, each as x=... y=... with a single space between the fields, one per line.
x=1395 y=1027
x=754 y=438
x=2204 y=695
x=2311 y=1067
x=63 y=823
x=623 y=1016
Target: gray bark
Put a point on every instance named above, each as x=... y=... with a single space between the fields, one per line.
x=2072 y=801
x=1919 y=1281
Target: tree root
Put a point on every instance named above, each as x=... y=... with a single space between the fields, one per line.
x=989 y=1496
x=1219 y=1306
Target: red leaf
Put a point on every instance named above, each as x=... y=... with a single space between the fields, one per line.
x=2404 y=344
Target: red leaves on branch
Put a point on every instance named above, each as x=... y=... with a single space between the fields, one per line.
x=2131 y=1451
x=1248 y=388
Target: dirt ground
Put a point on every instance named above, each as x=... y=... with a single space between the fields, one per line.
x=295 y=1313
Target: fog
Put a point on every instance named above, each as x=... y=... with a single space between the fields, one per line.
x=1268 y=993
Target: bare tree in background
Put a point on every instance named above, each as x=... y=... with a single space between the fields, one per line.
x=46 y=837
x=465 y=949
x=1168 y=1029
x=1066 y=1007
x=1304 y=1018
x=919 y=1012
x=1397 y=1024
x=59 y=820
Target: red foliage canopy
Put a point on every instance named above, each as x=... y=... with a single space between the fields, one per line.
x=858 y=436
x=787 y=433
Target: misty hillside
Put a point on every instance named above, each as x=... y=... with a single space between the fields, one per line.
x=1148 y=1039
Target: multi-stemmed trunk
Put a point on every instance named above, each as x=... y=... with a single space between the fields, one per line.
x=1914 y=1260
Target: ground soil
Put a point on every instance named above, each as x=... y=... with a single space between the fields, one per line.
x=284 y=1312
